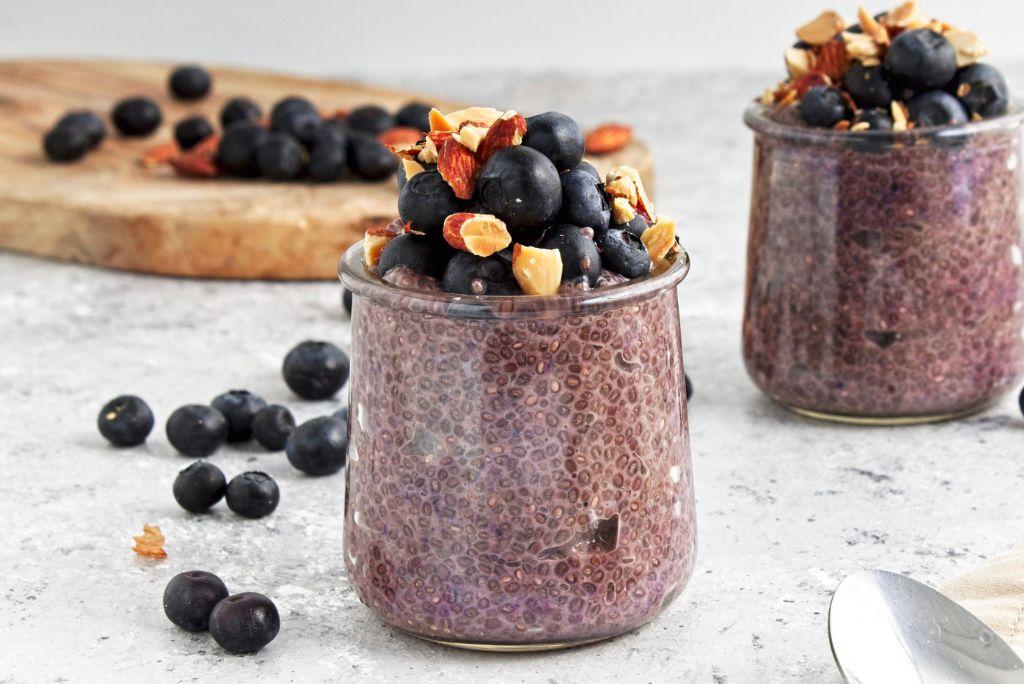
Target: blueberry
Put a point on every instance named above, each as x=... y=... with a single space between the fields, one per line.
x=240 y=109
x=136 y=116
x=936 y=108
x=66 y=143
x=239 y=147
x=472 y=275
x=1020 y=401
x=190 y=82
x=90 y=121
x=420 y=254
x=580 y=258
x=371 y=119
x=288 y=106
x=341 y=414
x=688 y=385
x=587 y=167
x=981 y=90
x=199 y=487
x=557 y=137
x=867 y=86
x=521 y=187
x=244 y=623
x=271 y=427
x=637 y=225
x=921 y=58
x=192 y=131
x=369 y=159
x=318 y=446
x=252 y=494
x=823 y=107
x=197 y=430
x=315 y=370
x=877 y=119
x=346 y=300
x=414 y=115
x=190 y=598
x=583 y=201
x=332 y=131
x=427 y=200
x=622 y=252
x=125 y=421
x=300 y=124
x=239 y=407
x=281 y=157
x=327 y=162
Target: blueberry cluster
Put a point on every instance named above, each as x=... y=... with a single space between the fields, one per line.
x=74 y=134
x=492 y=203
x=198 y=601
x=891 y=71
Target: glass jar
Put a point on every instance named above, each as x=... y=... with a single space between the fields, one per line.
x=519 y=467
x=884 y=269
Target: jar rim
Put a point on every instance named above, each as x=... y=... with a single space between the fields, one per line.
x=756 y=118
x=354 y=276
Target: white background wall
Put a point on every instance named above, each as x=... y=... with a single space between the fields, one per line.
x=390 y=36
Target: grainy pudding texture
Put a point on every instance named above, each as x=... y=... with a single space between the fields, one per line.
x=519 y=481
x=885 y=282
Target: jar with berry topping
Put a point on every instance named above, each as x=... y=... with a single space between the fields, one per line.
x=519 y=470
x=884 y=280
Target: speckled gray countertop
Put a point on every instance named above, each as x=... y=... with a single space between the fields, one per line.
x=786 y=507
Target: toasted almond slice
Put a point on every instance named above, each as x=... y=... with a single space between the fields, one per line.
x=439 y=122
x=799 y=62
x=411 y=167
x=969 y=48
x=622 y=211
x=861 y=126
x=906 y=16
x=481 y=116
x=479 y=234
x=538 y=271
x=660 y=238
x=871 y=27
x=900 y=118
x=621 y=187
x=861 y=47
x=822 y=29
x=428 y=155
x=636 y=195
x=150 y=544
x=373 y=245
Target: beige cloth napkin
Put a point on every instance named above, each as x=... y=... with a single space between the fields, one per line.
x=995 y=594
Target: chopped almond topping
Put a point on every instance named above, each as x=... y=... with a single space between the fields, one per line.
x=622 y=210
x=822 y=29
x=376 y=238
x=906 y=16
x=607 y=138
x=458 y=166
x=150 y=544
x=479 y=234
x=833 y=60
x=861 y=126
x=480 y=116
x=428 y=154
x=438 y=121
x=507 y=131
x=799 y=62
x=411 y=167
x=660 y=238
x=471 y=136
x=969 y=48
x=900 y=118
x=871 y=27
x=538 y=271
x=863 y=48
x=963 y=90
x=624 y=181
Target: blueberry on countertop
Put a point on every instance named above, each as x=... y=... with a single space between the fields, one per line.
x=580 y=257
x=427 y=200
x=66 y=143
x=921 y=58
x=239 y=148
x=936 y=108
x=867 y=86
x=472 y=275
x=199 y=487
x=240 y=109
x=252 y=494
x=190 y=82
x=371 y=119
x=300 y=124
x=244 y=623
x=419 y=253
x=136 y=116
x=281 y=157
x=197 y=430
x=556 y=136
x=583 y=201
x=414 y=115
x=622 y=252
x=289 y=105
x=369 y=159
x=239 y=408
x=319 y=446
x=190 y=598
x=271 y=427
x=981 y=90
x=333 y=131
x=88 y=120
x=191 y=131
x=327 y=162
x=315 y=370
x=125 y=421
x=521 y=187
x=587 y=167
x=877 y=119
x=823 y=107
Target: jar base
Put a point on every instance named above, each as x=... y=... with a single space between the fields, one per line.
x=509 y=648
x=885 y=421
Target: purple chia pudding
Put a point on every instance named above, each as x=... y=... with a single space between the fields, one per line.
x=884 y=269
x=519 y=471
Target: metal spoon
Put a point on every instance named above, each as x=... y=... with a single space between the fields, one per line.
x=888 y=629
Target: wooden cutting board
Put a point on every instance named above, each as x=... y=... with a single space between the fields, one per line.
x=107 y=209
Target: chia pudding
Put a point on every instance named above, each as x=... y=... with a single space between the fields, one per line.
x=519 y=468
x=884 y=277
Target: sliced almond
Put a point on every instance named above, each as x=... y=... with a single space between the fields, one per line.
x=799 y=62
x=411 y=167
x=538 y=271
x=900 y=118
x=472 y=136
x=660 y=238
x=625 y=181
x=373 y=245
x=150 y=544
x=622 y=210
x=907 y=16
x=439 y=122
x=871 y=27
x=861 y=126
x=822 y=29
x=969 y=48
x=862 y=47
x=479 y=234
x=483 y=116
